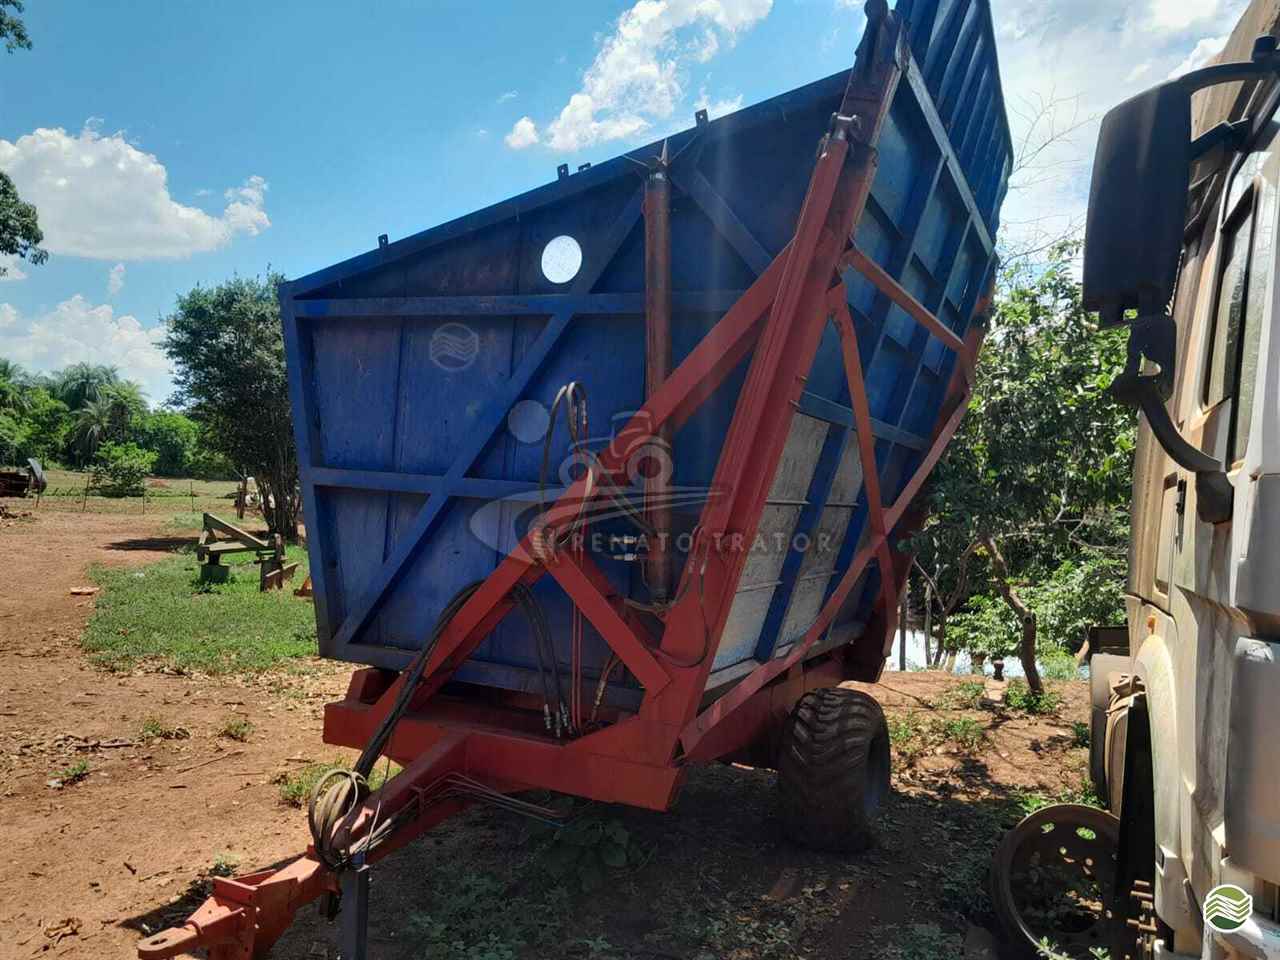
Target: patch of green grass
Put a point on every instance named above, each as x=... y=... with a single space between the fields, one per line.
x=224 y=865
x=911 y=735
x=1058 y=664
x=1018 y=696
x=586 y=852
x=236 y=728
x=163 y=613
x=474 y=917
x=1029 y=801
x=965 y=732
x=919 y=941
x=72 y=773
x=153 y=728
x=1079 y=733
x=908 y=736
x=187 y=521
x=296 y=786
x=966 y=695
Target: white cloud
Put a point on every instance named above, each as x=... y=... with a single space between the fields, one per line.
x=1204 y=51
x=1174 y=15
x=523 y=134
x=717 y=108
x=1083 y=57
x=115 y=279
x=638 y=74
x=11 y=269
x=102 y=197
x=508 y=95
x=76 y=330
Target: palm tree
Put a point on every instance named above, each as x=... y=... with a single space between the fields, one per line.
x=12 y=371
x=13 y=387
x=95 y=424
x=79 y=383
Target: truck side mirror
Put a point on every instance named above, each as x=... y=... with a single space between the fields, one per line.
x=1134 y=236
x=1138 y=203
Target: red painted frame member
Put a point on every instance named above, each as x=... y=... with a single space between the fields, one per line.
x=641 y=759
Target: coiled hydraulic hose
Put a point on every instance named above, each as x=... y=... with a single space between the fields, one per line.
x=339 y=792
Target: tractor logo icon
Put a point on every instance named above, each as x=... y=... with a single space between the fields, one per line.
x=454 y=347
x=1227 y=907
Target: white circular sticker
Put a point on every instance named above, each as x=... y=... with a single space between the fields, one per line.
x=528 y=421
x=561 y=259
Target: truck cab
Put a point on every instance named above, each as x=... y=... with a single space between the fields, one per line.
x=1182 y=247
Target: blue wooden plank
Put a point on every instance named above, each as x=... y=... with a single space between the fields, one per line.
x=506 y=306
x=958 y=176
x=301 y=376
x=819 y=493
x=388 y=482
x=823 y=409
x=691 y=181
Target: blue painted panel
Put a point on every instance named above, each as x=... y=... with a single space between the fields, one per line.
x=419 y=392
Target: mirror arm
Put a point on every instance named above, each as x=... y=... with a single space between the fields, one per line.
x=1214 y=493
x=1232 y=134
x=1265 y=60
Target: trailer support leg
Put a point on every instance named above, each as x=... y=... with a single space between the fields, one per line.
x=355 y=913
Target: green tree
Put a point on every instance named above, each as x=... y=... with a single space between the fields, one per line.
x=1039 y=472
x=173 y=438
x=13 y=386
x=107 y=418
x=47 y=421
x=228 y=348
x=20 y=234
x=81 y=382
x=12 y=30
x=121 y=469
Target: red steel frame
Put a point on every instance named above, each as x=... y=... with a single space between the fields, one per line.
x=641 y=759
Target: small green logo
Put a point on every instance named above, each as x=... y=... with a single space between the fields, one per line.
x=1227 y=907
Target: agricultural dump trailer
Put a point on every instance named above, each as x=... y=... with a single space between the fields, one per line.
x=605 y=480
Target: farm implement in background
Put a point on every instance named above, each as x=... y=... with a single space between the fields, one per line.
x=273 y=568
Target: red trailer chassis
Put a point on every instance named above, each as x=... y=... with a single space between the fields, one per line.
x=452 y=747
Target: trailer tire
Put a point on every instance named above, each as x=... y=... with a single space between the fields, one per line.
x=833 y=769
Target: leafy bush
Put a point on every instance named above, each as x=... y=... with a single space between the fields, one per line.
x=988 y=626
x=582 y=853
x=1079 y=594
x=1018 y=696
x=120 y=469
x=1058 y=664
x=172 y=437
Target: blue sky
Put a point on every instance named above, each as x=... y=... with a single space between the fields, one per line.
x=171 y=143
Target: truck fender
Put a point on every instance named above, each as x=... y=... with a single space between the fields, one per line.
x=1153 y=668
x=1105 y=670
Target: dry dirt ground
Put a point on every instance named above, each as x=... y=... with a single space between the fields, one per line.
x=90 y=868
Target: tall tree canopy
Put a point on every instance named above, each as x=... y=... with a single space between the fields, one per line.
x=1039 y=472
x=12 y=30
x=20 y=234
x=228 y=348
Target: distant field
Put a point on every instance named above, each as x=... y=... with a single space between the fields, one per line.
x=70 y=483
x=183 y=498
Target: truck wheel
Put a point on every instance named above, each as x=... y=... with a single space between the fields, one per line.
x=833 y=769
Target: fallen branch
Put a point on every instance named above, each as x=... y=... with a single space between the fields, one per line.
x=205 y=763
